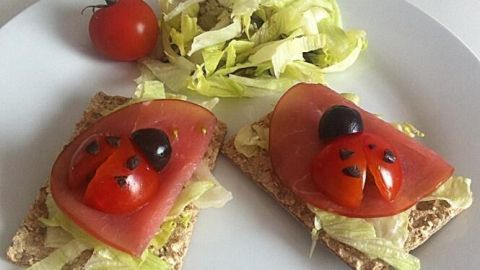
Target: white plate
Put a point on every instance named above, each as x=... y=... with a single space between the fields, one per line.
x=413 y=70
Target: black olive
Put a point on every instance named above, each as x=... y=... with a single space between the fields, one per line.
x=93 y=148
x=339 y=120
x=154 y=145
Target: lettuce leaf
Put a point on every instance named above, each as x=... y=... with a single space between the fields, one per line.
x=179 y=8
x=204 y=191
x=385 y=237
x=149 y=90
x=172 y=76
x=251 y=139
x=60 y=256
x=282 y=52
x=213 y=37
x=215 y=197
x=225 y=48
x=362 y=234
x=456 y=191
x=408 y=129
x=106 y=258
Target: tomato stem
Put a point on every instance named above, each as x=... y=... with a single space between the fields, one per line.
x=94 y=7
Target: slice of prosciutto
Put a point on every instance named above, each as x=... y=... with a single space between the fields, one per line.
x=189 y=127
x=294 y=142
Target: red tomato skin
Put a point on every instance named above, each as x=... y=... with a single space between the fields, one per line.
x=388 y=177
x=124 y=31
x=328 y=175
x=117 y=189
x=83 y=164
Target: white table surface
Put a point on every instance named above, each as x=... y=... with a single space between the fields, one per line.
x=461 y=17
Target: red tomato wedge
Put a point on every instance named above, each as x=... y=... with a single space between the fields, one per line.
x=190 y=129
x=294 y=142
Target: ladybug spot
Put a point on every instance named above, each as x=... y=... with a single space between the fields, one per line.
x=352 y=171
x=371 y=146
x=133 y=162
x=345 y=153
x=113 y=141
x=389 y=156
x=93 y=148
x=121 y=180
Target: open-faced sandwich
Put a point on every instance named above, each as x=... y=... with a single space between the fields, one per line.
x=125 y=192
x=368 y=191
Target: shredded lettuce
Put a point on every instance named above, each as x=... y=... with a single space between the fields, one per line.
x=456 y=191
x=251 y=139
x=385 y=237
x=408 y=129
x=282 y=52
x=57 y=237
x=173 y=76
x=217 y=196
x=225 y=48
x=213 y=37
x=149 y=90
x=371 y=236
x=166 y=230
x=204 y=191
x=352 y=97
x=393 y=228
x=107 y=258
x=57 y=259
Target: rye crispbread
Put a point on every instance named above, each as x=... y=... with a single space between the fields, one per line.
x=424 y=220
x=28 y=243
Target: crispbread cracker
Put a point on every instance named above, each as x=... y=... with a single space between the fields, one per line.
x=424 y=220
x=28 y=243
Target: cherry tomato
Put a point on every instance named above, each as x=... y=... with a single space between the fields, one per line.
x=124 y=30
x=350 y=162
x=123 y=183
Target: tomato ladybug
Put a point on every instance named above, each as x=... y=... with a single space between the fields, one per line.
x=120 y=174
x=353 y=159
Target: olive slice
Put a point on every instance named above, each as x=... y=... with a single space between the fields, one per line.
x=154 y=145
x=339 y=120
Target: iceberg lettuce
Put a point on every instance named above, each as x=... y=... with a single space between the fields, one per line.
x=225 y=48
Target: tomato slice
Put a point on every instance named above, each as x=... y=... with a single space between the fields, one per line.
x=294 y=143
x=383 y=166
x=123 y=183
x=190 y=128
x=340 y=170
x=91 y=154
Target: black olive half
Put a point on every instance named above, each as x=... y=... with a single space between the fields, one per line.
x=339 y=120
x=154 y=145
